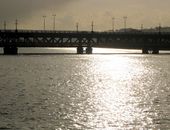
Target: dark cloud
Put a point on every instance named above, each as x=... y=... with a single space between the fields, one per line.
x=10 y=9
x=29 y=13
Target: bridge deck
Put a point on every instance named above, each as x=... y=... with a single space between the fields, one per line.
x=126 y=40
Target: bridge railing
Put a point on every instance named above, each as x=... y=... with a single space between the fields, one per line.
x=45 y=31
x=82 y=32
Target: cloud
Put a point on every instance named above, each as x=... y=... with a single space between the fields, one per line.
x=10 y=9
x=68 y=12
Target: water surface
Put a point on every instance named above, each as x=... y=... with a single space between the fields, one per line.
x=85 y=92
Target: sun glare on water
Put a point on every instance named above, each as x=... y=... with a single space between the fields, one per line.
x=113 y=94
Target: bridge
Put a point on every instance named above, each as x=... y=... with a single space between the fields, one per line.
x=148 y=42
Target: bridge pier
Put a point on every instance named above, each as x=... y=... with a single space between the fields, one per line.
x=89 y=50
x=145 y=51
x=80 y=50
x=150 y=51
x=10 y=50
x=155 y=51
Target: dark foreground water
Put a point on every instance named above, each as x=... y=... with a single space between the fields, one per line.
x=85 y=92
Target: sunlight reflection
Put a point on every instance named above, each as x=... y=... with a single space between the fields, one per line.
x=99 y=95
x=113 y=94
x=112 y=50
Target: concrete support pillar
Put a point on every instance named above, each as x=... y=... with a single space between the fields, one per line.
x=80 y=50
x=150 y=51
x=10 y=50
x=155 y=51
x=89 y=50
x=145 y=51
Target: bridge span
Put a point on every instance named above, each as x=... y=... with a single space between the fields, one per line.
x=148 y=42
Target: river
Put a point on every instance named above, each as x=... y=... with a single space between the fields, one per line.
x=85 y=92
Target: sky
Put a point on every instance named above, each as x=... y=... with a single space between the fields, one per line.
x=69 y=12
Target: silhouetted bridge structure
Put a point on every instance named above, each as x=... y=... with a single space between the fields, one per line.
x=11 y=40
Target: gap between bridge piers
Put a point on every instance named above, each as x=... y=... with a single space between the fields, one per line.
x=13 y=50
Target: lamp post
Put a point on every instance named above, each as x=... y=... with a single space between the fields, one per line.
x=54 y=15
x=141 y=27
x=4 y=25
x=113 y=24
x=125 y=22
x=77 y=27
x=159 y=28
x=44 y=17
x=92 y=26
x=16 y=24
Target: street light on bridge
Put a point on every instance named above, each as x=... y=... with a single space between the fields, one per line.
x=125 y=21
x=113 y=24
x=44 y=18
x=77 y=27
x=159 y=28
x=92 y=26
x=141 y=27
x=4 y=25
x=16 y=24
x=54 y=15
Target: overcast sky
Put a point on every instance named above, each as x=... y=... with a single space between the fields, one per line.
x=29 y=13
